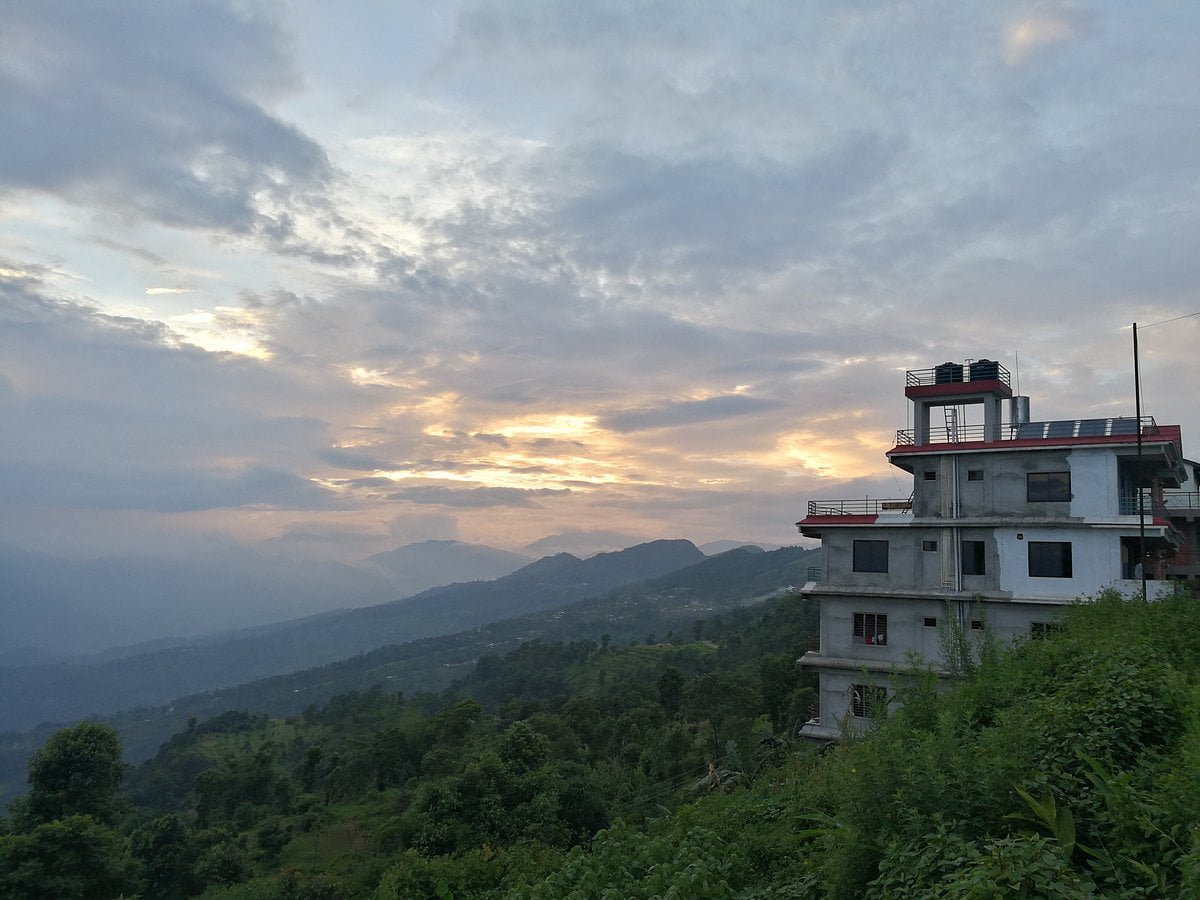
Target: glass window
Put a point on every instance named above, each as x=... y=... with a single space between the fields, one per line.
x=931 y=621
x=1048 y=487
x=870 y=556
x=974 y=474
x=1050 y=559
x=928 y=545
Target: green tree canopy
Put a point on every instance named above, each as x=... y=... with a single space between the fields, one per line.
x=77 y=772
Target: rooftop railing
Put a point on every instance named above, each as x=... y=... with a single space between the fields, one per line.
x=1020 y=431
x=955 y=373
x=864 y=507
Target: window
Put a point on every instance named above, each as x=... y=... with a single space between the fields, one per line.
x=974 y=474
x=976 y=625
x=931 y=621
x=870 y=556
x=973 y=562
x=1047 y=487
x=868 y=701
x=931 y=475
x=928 y=545
x=870 y=628
x=1050 y=559
x=1038 y=630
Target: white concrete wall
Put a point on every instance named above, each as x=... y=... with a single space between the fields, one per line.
x=1095 y=561
x=1094 y=483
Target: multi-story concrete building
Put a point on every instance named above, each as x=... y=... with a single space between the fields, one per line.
x=1008 y=520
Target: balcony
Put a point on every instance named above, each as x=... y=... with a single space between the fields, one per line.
x=863 y=507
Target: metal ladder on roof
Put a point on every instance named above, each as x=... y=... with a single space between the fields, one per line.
x=951 y=413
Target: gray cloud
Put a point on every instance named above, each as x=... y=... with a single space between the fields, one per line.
x=154 y=110
x=688 y=412
x=476 y=498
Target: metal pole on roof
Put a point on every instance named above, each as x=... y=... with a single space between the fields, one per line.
x=1137 y=399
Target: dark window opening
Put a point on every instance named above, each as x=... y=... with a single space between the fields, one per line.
x=870 y=628
x=928 y=545
x=974 y=474
x=1050 y=559
x=1040 y=630
x=973 y=561
x=1048 y=487
x=976 y=625
x=931 y=622
x=870 y=556
x=930 y=475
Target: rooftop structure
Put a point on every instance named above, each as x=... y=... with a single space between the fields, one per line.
x=1008 y=520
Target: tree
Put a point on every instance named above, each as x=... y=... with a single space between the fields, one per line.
x=162 y=848
x=77 y=772
x=670 y=690
x=75 y=857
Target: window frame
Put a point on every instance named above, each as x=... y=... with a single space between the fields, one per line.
x=1051 y=487
x=974 y=474
x=868 y=628
x=929 y=546
x=1041 y=557
x=868 y=701
x=865 y=556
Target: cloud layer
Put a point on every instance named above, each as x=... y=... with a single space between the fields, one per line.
x=560 y=267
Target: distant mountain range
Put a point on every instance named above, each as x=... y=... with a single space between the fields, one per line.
x=69 y=690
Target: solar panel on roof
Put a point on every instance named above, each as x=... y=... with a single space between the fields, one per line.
x=1030 y=430
x=1061 y=429
x=1124 y=426
x=1093 y=427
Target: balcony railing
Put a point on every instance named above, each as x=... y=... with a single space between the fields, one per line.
x=1172 y=501
x=863 y=507
x=1063 y=428
x=1181 y=500
x=813 y=574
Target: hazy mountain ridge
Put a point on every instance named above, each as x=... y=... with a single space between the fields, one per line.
x=632 y=612
x=63 y=691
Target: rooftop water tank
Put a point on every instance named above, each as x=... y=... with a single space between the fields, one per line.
x=947 y=373
x=985 y=370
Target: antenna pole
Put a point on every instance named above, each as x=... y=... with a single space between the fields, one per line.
x=1137 y=399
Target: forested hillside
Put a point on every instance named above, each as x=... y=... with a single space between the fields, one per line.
x=1064 y=767
x=64 y=692
x=660 y=606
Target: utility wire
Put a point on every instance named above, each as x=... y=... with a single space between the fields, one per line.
x=1169 y=321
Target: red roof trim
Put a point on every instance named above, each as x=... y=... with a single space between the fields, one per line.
x=838 y=520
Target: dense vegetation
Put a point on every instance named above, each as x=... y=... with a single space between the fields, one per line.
x=1064 y=767
x=660 y=606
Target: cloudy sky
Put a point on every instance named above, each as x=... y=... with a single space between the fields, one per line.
x=327 y=278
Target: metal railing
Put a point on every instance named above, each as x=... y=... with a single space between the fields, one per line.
x=813 y=574
x=955 y=373
x=1051 y=430
x=864 y=507
x=1179 y=500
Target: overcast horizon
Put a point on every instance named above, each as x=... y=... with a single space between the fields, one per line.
x=324 y=279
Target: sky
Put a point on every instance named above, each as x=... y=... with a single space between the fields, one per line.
x=323 y=279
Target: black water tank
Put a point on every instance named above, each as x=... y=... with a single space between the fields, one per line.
x=985 y=370
x=948 y=373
